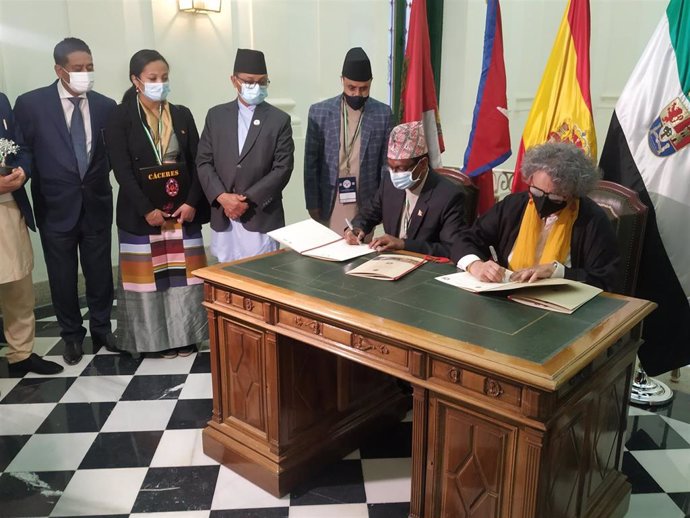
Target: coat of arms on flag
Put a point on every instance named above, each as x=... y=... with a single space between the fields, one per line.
x=670 y=131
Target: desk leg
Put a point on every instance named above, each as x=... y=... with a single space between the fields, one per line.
x=420 y=400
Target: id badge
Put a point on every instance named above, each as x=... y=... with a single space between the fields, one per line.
x=347 y=190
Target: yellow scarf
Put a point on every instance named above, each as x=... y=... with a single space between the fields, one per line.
x=160 y=141
x=557 y=246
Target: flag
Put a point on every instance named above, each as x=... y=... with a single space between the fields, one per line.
x=646 y=149
x=418 y=101
x=562 y=108
x=489 y=142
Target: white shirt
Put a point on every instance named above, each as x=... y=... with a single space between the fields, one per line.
x=411 y=198
x=245 y=114
x=68 y=108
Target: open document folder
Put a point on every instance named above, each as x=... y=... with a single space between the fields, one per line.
x=387 y=267
x=561 y=295
x=313 y=239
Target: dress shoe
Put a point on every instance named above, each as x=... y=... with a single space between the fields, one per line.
x=35 y=363
x=187 y=350
x=106 y=340
x=73 y=353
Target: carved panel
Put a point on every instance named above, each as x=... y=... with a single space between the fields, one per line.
x=606 y=436
x=244 y=374
x=389 y=353
x=474 y=457
x=567 y=462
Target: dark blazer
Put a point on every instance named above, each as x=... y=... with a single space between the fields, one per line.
x=437 y=218
x=260 y=171
x=21 y=159
x=59 y=194
x=593 y=251
x=130 y=149
x=322 y=152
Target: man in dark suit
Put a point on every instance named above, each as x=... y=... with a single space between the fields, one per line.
x=345 y=147
x=16 y=258
x=62 y=125
x=244 y=161
x=420 y=210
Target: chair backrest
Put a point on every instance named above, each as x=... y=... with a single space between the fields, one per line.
x=629 y=218
x=471 y=190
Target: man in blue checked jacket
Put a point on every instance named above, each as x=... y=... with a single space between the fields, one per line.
x=345 y=148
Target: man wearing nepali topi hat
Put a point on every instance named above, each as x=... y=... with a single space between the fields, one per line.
x=244 y=161
x=345 y=146
x=421 y=211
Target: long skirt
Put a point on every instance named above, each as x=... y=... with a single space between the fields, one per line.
x=158 y=298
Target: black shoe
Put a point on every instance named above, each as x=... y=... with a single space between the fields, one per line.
x=107 y=340
x=73 y=353
x=35 y=363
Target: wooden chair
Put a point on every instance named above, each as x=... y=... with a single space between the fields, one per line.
x=471 y=190
x=629 y=217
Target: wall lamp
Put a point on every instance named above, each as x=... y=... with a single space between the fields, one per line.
x=199 y=6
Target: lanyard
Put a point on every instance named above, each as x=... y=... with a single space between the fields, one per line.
x=157 y=149
x=349 y=146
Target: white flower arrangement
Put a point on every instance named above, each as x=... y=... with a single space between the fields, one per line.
x=7 y=148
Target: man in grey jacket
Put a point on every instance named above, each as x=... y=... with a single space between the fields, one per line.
x=244 y=161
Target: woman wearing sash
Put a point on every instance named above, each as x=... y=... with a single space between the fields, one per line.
x=552 y=230
x=159 y=225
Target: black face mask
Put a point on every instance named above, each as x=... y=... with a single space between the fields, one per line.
x=545 y=206
x=355 y=101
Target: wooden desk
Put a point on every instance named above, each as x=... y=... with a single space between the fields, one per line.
x=517 y=412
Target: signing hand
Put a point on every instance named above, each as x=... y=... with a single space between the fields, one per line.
x=354 y=236
x=184 y=213
x=387 y=242
x=534 y=273
x=234 y=205
x=156 y=218
x=12 y=181
x=486 y=271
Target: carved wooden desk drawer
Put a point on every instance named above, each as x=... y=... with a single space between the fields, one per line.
x=238 y=301
x=493 y=388
x=389 y=353
x=313 y=327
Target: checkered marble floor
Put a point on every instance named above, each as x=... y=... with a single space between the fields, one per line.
x=113 y=436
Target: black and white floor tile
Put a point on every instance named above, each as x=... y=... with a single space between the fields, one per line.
x=113 y=436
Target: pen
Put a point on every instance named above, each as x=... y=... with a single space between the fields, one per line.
x=494 y=256
x=349 y=225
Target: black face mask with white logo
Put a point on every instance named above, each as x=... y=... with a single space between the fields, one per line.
x=546 y=206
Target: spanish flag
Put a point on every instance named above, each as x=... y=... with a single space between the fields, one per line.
x=418 y=101
x=562 y=109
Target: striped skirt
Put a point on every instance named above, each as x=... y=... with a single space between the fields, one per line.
x=159 y=300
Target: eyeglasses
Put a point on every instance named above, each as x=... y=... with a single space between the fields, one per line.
x=537 y=192
x=252 y=84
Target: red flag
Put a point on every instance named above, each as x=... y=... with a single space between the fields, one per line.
x=489 y=142
x=562 y=108
x=418 y=101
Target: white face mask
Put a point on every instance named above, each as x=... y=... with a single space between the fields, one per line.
x=402 y=179
x=81 y=82
x=254 y=94
x=156 y=91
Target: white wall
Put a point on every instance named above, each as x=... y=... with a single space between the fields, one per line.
x=305 y=42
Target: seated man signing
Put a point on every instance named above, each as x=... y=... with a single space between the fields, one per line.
x=552 y=230
x=420 y=210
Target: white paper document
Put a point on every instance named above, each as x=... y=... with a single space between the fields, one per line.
x=313 y=239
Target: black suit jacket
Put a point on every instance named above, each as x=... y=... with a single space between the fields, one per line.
x=130 y=149
x=60 y=196
x=437 y=218
x=260 y=171
x=593 y=251
x=19 y=160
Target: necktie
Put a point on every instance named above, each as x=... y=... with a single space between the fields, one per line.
x=78 y=135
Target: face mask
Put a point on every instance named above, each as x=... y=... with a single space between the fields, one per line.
x=545 y=206
x=402 y=180
x=81 y=82
x=156 y=91
x=254 y=94
x=355 y=101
